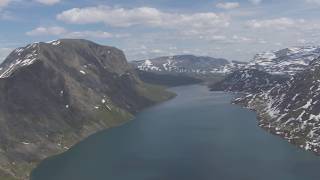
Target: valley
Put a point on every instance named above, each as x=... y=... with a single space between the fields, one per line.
x=60 y=92
x=159 y=90
x=197 y=135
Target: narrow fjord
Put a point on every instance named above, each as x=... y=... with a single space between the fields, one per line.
x=197 y=135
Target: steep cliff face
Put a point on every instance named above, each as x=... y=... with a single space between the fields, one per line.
x=55 y=94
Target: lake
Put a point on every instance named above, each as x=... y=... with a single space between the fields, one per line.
x=198 y=135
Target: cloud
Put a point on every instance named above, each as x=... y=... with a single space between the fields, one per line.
x=238 y=38
x=41 y=31
x=4 y=53
x=6 y=15
x=143 y=16
x=94 y=34
x=277 y=23
x=4 y=3
x=228 y=5
x=48 y=2
x=286 y=24
x=217 y=38
x=62 y=32
x=313 y=1
x=256 y=2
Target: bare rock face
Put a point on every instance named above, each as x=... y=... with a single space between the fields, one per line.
x=57 y=93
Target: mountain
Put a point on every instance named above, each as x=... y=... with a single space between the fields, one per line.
x=287 y=61
x=292 y=109
x=189 y=64
x=54 y=94
x=267 y=69
x=248 y=80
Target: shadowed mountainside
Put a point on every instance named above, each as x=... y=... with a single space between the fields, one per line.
x=55 y=94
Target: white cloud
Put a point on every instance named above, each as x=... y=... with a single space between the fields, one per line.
x=289 y=25
x=4 y=53
x=238 y=38
x=62 y=32
x=277 y=23
x=228 y=5
x=48 y=2
x=256 y=2
x=41 y=31
x=143 y=16
x=6 y=15
x=95 y=34
x=217 y=37
x=4 y=3
x=157 y=51
x=91 y=34
x=313 y=1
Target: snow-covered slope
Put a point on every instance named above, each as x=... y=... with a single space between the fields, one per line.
x=292 y=110
x=248 y=80
x=290 y=107
x=18 y=58
x=286 y=61
x=188 y=64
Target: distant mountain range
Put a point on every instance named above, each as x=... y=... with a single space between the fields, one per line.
x=284 y=62
x=54 y=94
x=248 y=80
x=188 y=64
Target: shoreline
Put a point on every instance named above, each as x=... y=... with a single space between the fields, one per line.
x=265 y=123
x=22 y=169
x=173 y=95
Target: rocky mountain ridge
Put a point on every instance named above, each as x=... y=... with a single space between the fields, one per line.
x=288 y=61
x=54 y=94
x=189 y=64
x=248 y=80
x=291 y=109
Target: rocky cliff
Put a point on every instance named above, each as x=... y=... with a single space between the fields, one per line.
x=54 y=94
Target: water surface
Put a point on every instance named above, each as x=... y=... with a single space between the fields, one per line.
x=198 y=135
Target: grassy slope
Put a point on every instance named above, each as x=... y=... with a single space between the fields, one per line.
x=156 y=93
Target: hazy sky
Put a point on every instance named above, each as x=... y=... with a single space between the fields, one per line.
x=235 y=29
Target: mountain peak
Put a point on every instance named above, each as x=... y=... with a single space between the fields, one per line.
x=287 y=61
x=70 y=52
x=189 y=64
x=56 y=93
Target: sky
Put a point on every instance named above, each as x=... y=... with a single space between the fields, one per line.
x=235 y=29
